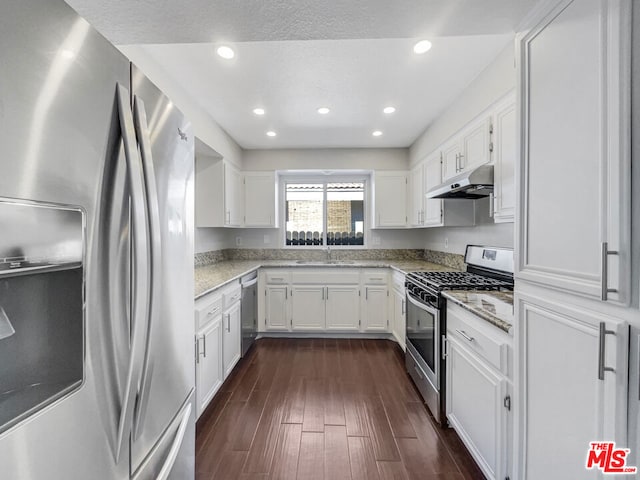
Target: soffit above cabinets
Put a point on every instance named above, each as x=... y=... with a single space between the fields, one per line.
x=293 y=57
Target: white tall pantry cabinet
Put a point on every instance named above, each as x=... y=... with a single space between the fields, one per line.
x=573 y=241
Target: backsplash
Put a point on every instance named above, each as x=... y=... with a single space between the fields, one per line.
x=451 y=260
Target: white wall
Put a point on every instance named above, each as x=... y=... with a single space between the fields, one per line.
x=204 y=127
x=327 y=159
x=494 y=82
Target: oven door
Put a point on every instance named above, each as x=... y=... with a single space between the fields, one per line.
x=423 y=333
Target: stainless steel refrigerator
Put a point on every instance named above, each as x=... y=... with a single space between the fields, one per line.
x=96 y=258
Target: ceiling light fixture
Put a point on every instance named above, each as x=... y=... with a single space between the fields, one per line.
x=422 y=46
x=388 y=110
x=323 y=110
x=258 y=111
x=377 y=133
x=271 y=133
x=226 y=52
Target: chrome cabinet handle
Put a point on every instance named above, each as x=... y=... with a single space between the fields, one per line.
x=465 y=335
x=403 y=306
x=443 y=347
x=139 y=282
x=491 y=205
x=204 y=346
x=461 y=165
x=604 y=280
x=601 y=351
x=229 y=322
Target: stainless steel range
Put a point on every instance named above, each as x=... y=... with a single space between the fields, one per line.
x=488 y=268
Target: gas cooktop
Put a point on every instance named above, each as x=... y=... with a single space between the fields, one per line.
x=457 y=281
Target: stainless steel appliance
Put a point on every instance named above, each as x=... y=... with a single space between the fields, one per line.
x=472 y=184
x=249 y=310
x=488 y=268
x=97 y=258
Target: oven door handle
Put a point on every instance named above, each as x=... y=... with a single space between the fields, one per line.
x=423 y=306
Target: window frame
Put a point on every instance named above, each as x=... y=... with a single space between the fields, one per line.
x=286 y=178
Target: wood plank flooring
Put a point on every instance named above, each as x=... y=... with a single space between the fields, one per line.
x=325 y=409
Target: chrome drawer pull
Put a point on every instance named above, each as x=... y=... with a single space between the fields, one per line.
x=465 y=335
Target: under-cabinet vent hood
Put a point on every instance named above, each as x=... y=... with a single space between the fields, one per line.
x=473 y=184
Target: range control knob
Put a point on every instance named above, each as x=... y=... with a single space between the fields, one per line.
x=455 y=185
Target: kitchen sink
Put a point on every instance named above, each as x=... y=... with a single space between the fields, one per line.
x=325 y=262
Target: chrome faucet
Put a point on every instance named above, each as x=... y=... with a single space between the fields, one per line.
x=328 y=253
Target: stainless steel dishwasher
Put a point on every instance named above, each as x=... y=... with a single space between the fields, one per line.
x=249 y=310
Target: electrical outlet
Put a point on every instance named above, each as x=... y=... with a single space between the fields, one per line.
x=446 y=242
x=238 y=241
x=376 y=239
x=267 y=239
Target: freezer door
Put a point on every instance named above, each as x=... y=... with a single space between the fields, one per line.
x=167 y=149
x=59 y=142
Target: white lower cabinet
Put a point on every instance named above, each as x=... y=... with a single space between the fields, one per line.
x=399 y=317
x=479 y=389
x=476 y=408
x=375 y=313
x=307 y=307
x=275 y=307
x=573 y=374
x=209 y=370
x=343 y=308
x=231 y=339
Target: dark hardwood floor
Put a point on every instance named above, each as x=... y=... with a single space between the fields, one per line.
x=325 y=409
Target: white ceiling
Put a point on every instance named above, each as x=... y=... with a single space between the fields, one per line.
x=353 y=56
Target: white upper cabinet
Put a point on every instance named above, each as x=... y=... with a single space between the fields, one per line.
x=504 y=158
x=433 y=177
x=260 y=199
x=468 y=149
x=390 y=199
x=574 y=81
x=233 y=197
x=416 y=213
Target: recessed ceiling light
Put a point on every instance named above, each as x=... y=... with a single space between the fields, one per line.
x=68 y=54
x=226 y=52
x=258 y=111
x=377 y=133
x=271 y=133
x=389 y=109
x=422 y=46
x=323 y=110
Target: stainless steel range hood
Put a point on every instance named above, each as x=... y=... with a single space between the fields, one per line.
x=476 y=183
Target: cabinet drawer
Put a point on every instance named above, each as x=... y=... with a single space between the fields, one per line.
x=230 y=295
x=326 y=276
x=209 y=308
x=469 y=330
x=276 y=277
x=397 y=279
x=375 y=277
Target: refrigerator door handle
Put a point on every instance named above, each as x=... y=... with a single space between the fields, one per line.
x=175 y=447
x=139 y=284
x=155 y=244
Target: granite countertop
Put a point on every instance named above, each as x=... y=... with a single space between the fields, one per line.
x=494 y=307
x=211 y=277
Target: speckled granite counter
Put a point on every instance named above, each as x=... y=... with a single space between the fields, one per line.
x=210 y=277
x=494 y=307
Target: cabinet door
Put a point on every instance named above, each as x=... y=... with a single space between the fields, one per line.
x=233 y=197
x=475 y=144
x=575 y=181
x=308 y=307
x=476 y=409
x=209 y=369
x=375 y=311
x=570 y=400
x=433 y=177
x=231 y=338
x=504 y=150
x=343 y=307
x=399 y=319
x=390 y=202
x=276 y=299
x=416 y=212
x=450 y=160
x=259 y=199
